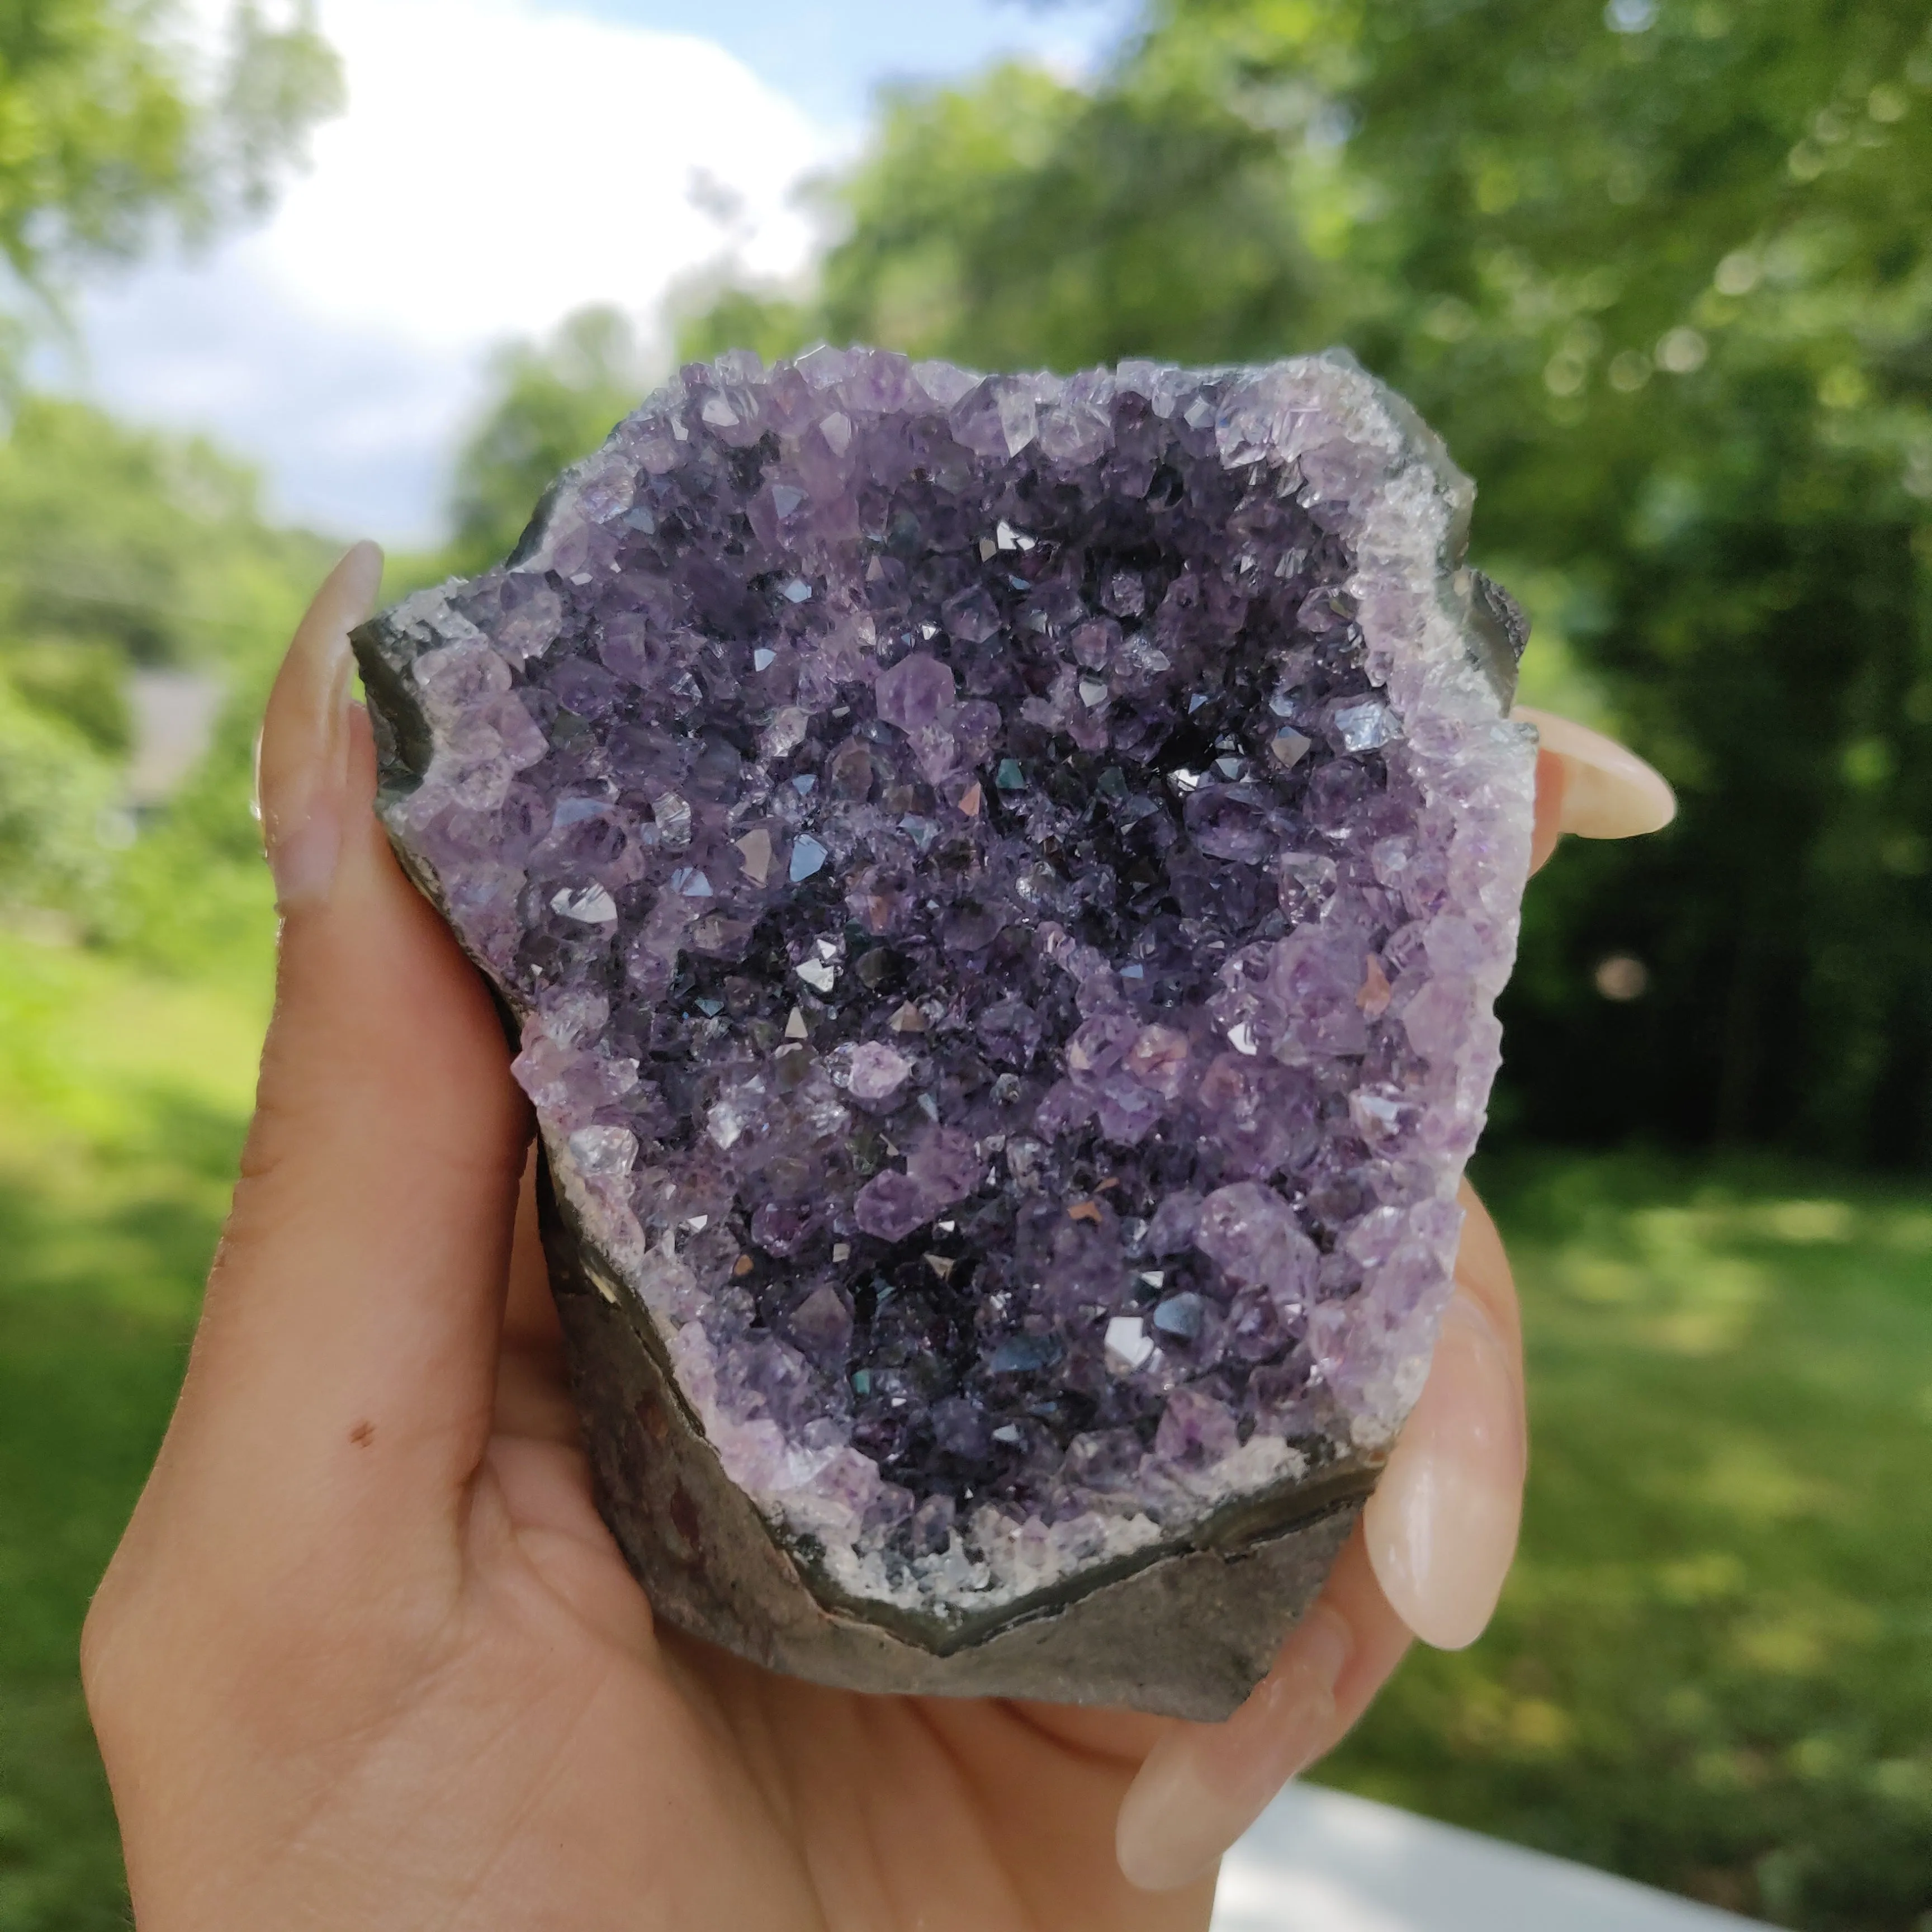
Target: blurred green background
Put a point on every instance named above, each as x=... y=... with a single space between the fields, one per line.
x=1662 y=274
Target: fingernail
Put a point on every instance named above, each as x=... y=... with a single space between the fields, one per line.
x=301 y=762
x=1609 y=792
x=1442 y=1526
x=1203 y=1785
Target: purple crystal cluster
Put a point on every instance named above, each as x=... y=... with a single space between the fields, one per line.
x=1003 y=882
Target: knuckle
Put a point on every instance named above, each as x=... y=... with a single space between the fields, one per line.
x=276 y=1130
x=106 y=1679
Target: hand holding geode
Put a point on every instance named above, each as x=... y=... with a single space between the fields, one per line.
x=1002 y=883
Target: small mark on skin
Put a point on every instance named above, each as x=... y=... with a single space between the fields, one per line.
x=363 y=1434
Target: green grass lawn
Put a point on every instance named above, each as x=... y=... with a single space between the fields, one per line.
x=122 y=1100
x=1712 y=1670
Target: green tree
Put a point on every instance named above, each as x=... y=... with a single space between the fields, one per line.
x=551 y=403
x=122 y=548
x=109 y=126
x=1660 y=273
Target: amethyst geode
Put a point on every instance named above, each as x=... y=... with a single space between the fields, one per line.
x=1002 y=883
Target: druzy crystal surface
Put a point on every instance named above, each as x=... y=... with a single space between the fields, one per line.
x=1003 y=883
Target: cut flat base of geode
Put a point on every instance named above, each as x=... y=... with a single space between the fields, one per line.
x=1001 y=883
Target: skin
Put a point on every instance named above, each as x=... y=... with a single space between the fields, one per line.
x=368 y=1658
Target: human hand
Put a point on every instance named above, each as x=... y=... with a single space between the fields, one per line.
x=367 y=1657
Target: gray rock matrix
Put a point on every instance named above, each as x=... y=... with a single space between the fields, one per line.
x=1000 y=884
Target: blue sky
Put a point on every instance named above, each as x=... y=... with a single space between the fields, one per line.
x=829 y=55
x=502 y=163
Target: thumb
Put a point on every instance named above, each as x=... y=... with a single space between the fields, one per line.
x=347 y=1358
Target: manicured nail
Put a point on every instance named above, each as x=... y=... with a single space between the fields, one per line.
x=302 y=763
x=1203 y=1785
x=1442 y=1526
x=1609 y=792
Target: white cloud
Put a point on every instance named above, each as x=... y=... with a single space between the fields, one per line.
x=498 y=166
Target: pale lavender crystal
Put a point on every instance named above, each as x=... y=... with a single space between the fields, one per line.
x=876 y=1073
x=1003 y=883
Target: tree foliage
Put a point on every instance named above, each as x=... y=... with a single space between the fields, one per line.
x=109 y=124
x=122 y=549
x=117 y=548
x=1660 y=273
x=550 y=403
